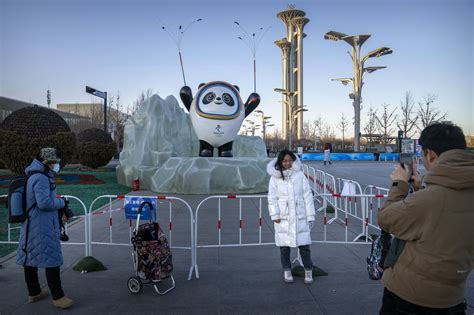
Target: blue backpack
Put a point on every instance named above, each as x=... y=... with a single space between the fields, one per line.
x=16 y=202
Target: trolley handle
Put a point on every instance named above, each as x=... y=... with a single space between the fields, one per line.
x=140 y=209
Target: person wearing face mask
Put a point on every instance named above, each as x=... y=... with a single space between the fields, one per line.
x=39 y=245
x=291 y=208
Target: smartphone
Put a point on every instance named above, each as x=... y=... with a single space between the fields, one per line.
x=407 y=163
x=407 y=155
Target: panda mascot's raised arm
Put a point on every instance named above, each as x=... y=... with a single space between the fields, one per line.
x=186 y=96
x=217 y=112
x=252 y=103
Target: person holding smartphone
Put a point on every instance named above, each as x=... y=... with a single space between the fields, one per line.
x=429 y=275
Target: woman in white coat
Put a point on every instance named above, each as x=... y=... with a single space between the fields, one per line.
x=291 y=208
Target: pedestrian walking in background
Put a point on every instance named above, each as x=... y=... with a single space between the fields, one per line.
x=39 y=245
x=291 y=208
x=435 y=223
x=327 y=153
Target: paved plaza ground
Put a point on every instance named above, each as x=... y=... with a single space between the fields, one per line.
x=233 y=280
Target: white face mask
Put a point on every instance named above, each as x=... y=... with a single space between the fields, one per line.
x=56 y=168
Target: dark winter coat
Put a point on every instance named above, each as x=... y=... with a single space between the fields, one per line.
x=43 y=247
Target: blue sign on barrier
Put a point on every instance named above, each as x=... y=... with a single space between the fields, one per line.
x=132 y=203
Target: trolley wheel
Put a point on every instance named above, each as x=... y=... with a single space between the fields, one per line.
x=134 y=285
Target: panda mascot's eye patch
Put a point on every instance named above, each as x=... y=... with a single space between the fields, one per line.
x=209 y=97
x=228 y=99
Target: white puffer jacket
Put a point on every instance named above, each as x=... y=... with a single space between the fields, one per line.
x=290 y=200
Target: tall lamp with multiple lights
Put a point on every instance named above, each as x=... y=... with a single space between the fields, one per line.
x=356 y=42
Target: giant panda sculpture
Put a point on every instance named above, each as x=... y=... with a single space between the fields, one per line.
x=217 y=112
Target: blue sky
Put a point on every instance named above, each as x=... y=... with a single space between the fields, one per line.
x=119 y=46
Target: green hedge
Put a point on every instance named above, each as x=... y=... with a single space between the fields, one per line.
x=95 y=147
x=17 y=151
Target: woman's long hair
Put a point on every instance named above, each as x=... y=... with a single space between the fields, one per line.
x=279 y=162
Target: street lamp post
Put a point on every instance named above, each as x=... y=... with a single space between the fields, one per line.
x=252 y=127
x=243 y=129
x=287 y=105
x=356 y=42
x=294 y=115
x=102 y=95
x=252 y=42
x=265 y=122
x=177 y=39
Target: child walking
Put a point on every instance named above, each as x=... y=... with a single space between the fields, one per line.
x=291 y=208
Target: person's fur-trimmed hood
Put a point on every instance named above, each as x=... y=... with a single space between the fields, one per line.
x=272 y=171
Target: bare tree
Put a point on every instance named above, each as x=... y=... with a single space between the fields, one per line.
x=328 y=133
x=427 y=113
x=409 y=117
x=342 y=125
x=318 y=127
x=144 y=95
x=385 y=123
x=96 y=113
x=308 y=130
x=110 y=121
x=371 y=125
x=276 y=143
x=118 y=118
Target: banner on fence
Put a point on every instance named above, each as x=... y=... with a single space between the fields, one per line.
x=349 y=188
x=132 y=203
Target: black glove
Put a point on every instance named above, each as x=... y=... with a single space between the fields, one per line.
x=66 y=210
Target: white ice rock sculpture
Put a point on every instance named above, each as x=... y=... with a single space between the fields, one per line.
x=160 y=149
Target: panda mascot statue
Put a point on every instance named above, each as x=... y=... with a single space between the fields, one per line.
x=217 y=112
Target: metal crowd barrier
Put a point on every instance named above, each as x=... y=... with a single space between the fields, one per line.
x=74 y=220
x=351 y=200
x=109 y=210
x=324 y=186
x=377 y=191
x=364 y=220
x=219 y=223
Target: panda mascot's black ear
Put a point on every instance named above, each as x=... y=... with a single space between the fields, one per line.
x=186 y=96
x=237 y=88
x=201 y=85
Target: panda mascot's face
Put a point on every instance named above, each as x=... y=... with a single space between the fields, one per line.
x=218 y=100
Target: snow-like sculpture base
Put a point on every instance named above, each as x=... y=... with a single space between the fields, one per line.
x=161 y=150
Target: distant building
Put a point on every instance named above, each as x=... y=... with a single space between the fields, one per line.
x=76 y=122
x=95 y=112
x=91 y=110
x=88 y=110
x=470 y=141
